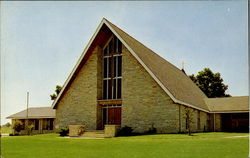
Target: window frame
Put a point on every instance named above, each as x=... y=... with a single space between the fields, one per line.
x=110 y=61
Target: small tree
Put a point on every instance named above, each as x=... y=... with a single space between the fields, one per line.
x=188 y=115
x=7 y=124
x=17 y=127
x=54 y=95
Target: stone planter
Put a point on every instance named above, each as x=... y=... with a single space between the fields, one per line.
x=76 y=130
x=111 y=130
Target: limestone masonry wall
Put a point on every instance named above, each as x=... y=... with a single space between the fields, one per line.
x=144 y=103
x=79 y=103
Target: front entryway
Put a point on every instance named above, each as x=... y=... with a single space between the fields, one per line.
x=111 y=115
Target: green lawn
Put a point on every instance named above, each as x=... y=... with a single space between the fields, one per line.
x=201 y=145
x=6 y=130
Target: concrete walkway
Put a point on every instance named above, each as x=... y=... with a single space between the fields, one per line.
x=83 y=137
x=238 y=136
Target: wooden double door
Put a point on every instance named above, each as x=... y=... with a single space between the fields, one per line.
x=111 y=115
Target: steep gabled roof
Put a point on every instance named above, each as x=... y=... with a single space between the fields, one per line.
x=173 y=81
x=228 y=104
x=34 y=112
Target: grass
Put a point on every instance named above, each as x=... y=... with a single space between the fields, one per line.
x=201 y=145
x=6 y=130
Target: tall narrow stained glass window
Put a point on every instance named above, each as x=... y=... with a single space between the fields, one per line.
x=112 y=69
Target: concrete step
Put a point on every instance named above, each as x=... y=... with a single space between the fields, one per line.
x=96 y=131
x=93 y=134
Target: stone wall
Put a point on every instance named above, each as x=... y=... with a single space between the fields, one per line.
x=217 y=122
x=144 y=103
x=194 y=125
x=78 y=105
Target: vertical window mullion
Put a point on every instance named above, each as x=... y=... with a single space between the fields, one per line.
x=103 y=75
x=112 y=75
x=112 y=81
x=116 y=76
x=116 y=43
x=107 y=92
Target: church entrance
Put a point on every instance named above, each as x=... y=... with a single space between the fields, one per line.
x=111 y=115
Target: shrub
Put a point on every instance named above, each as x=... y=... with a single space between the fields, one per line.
x=151 y=130
x=125 y=131
x=30 y=129
x=64 y=131
x=81 y=130
x=17 y=126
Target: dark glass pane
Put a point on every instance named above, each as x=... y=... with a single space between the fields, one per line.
x=109 y=89
x=114 y=88
x=51 y=124
x=114 y=65
x=108 y=50
x=104 y=89
x=104 y=116
x=119 y=65
x=111 y=46
x=115 y=44
x=119 y=47
x=105 y=66
x=110 y=67
x=105 y=51
x=36 y=124
x=119 y=88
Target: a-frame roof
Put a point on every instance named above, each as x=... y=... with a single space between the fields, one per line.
x=173 y=81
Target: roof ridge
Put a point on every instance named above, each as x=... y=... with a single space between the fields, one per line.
x=144 y=45
x=147 y=54
x=177 y=85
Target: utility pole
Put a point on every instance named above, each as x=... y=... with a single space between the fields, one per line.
x=27 y=105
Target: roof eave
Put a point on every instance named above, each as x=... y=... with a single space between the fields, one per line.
x=32 y=117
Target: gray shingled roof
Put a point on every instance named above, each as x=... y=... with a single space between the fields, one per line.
x=178 y=83
x=35 y=112
x=228 y=104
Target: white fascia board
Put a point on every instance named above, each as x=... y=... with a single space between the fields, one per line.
x=150 y=72
x=189 y=105
x=78 y=63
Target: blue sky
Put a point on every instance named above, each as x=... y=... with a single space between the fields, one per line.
x=41 y=41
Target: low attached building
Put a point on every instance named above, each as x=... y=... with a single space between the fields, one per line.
x=42 y=118
x=231 y=113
